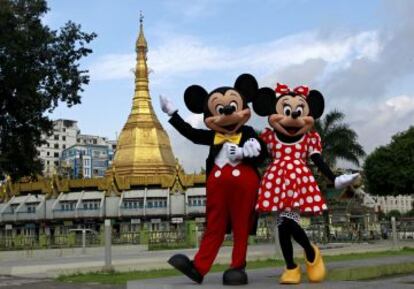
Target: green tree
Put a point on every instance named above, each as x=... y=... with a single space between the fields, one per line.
x=389 y=169
x=409 y=213
x=39 y=67
x=339 y=141
x=394 y=213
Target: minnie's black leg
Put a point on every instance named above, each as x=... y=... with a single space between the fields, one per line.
x=300 y=236
x=286 y=243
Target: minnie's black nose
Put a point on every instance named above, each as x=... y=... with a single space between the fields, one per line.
x=228 y=109
x=295 y=114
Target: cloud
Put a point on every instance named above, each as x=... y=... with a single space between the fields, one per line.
x=191 y=156
x=183 y=54
x=376 y=123
x=113 y=66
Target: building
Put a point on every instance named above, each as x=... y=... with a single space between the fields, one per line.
x=85 y=160
x=401 y=203
x=144 y=188
x=65 y=133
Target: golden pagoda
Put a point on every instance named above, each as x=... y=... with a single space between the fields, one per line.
x=143 y=146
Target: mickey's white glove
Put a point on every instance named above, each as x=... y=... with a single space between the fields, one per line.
x=251 y=148
x=343 y=181
x=234 y=152
x=167 y=106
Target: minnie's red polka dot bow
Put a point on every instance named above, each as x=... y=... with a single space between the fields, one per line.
x=284 y=89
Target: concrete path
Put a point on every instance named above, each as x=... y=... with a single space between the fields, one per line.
x=11 y=282
x=259 y=279
x=268 y=278
x=51 y=263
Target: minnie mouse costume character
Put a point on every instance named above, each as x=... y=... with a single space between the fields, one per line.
x=231 y=169
x=288 y=186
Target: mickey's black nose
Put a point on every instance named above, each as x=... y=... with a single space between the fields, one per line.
x=228 y=109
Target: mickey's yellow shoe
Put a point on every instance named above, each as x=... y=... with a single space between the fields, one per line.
x=316 y=270
x=291 y=276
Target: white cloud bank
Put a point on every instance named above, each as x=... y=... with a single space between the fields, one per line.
x=181 y=55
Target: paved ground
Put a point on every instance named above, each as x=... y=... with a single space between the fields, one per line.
x=51 y=263
x=269 y=282
x=268 y=278
x=11 y=282
x=259 y=279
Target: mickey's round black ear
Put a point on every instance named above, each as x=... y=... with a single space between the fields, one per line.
x=264 y=103
x=194 y=98
x=316 y=103
x=247 y=85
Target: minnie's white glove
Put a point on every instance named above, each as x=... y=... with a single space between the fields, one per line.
x=251 y=148
x=343 y=181
x=234 y=152
x=167 y=106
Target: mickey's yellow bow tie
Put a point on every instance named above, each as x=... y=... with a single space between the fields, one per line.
x=220 y=138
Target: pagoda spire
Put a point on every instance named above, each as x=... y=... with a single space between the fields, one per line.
x=143 y=147
x=141 y=96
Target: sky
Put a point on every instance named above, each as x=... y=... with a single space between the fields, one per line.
x=359 y=54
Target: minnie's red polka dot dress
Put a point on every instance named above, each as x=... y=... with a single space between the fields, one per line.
x=288 y=184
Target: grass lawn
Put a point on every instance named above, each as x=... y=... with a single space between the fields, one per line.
x=337 y=274
x=370 y=272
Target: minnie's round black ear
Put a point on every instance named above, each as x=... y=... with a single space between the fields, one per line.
x=195 y=97
x=264 y=102
x=316 y=103
x=247 y=85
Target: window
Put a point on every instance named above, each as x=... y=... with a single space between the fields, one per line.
x=95 y=141
x=133 y=203
x=64 y=146
x=56 y=146
x=56 y=137
x=31 y=208
x=156 y=202
x=48 y=153
x=64 y=129
x=196 y=201
x=63 y=137
x=56 y=155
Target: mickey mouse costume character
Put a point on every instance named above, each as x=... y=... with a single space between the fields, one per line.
x=231 y=170
x=288 y=186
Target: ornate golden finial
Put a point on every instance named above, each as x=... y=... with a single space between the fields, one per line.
x=141 y=41
x=141 y=17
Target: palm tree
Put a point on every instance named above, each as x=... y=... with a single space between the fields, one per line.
x=339 y=141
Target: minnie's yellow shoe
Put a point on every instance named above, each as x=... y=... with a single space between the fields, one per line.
x=291 y=276
x=316 y=270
